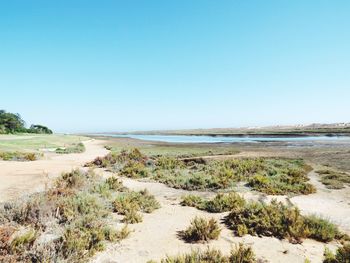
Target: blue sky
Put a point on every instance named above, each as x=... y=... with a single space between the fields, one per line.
x=140 y=65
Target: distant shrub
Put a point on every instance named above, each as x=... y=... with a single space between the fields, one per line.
x=201 y=230
x=18 y=156
x=74 y=148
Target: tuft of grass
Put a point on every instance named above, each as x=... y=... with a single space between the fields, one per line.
x=201 y=230
x=240 y=254
x=334 y=179
x=74 y=148
x=321 y=229
x=342 y=255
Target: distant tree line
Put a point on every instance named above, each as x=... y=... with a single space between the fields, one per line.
x=13 y=123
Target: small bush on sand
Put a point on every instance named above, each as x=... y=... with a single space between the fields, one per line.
x=321 y=229
x=134 y=169
x=224 y=202
x=334 y=179
x=130 y=203
x=278 y=220
x=240 y=254
x=201 y=230
x=192 y=201
x=342 y=255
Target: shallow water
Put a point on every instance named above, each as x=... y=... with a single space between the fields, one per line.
x=226 y=139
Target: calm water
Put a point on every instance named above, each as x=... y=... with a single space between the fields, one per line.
x=224 y=139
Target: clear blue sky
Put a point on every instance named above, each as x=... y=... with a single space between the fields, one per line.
x=141 y=65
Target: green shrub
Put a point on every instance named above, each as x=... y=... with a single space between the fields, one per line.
x=134 y=169
x=224 y=202
x=201 y=230
x=192 y=201
x=280 y=221
x=321 y=229
x=129 y=203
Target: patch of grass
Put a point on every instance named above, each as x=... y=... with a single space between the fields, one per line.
x=334 y=179
x=18 y=156
x=74 y=148
x=240 y=254
x=201 y=230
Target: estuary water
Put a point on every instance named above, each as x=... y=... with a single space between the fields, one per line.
x=226 y=139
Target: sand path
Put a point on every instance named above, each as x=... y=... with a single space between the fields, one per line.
x=23 y=178
x=156 y=236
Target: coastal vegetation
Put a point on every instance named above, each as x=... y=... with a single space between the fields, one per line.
x=261 y=219
x=267 y=175
x=334 y=179
x=13 y=123
x=70 y=222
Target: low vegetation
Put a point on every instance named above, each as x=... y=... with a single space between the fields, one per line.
x=18 y=156
x=270 y=176
x=334 y=179
x=68 y=223
x=260 y=219
x=201 y=230
x=278 y=220
x=240 y=254
x=74 y=148
x=342 y=255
